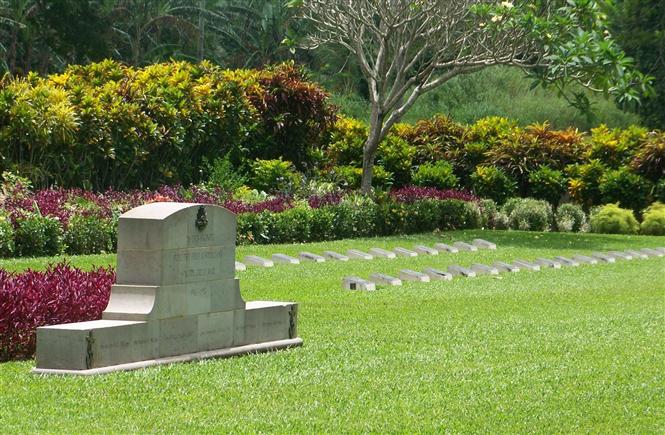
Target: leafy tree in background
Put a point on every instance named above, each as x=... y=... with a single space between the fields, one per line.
x=640 y=29
x=408 y=47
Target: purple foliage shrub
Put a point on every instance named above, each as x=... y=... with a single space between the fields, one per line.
x=411 y=194
x=61 y=294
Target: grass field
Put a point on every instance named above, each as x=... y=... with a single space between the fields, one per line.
x=572 y=350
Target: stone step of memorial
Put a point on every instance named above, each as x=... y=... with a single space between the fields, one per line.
x=382 y=278
x=636 y=254
x=412 y=275
x=425 y=250
x=283 y=258
x=526 y=265
x=355 y=253
x=357 y=283
x=652 y=252
x=483 y=269
x=603 y=257
x=255 y=260
x=438 y=275
x=546 y=262
x=463 y=246
x=506 y=267
x=461 y=271
x=620 y=255
x=585 y=259
x=403 y=252
x=379 y=252
x=446 y=248
x=335 y=256
x=240 y=267
x=484 y=244
x=565 y=261
x=309 y=256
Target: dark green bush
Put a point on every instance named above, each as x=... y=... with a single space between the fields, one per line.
x=612 y=219
x=456 y=214
x=293 y=225
x=349 y=177
x=439 y=175
x=89 y=235
x=528 y=214
x=625 y=187
x=548 y=184
x=659 y=191
x=653 y=222
x=222 y=174
x=488 y=211
x=570 y=217
x=492 y=182
x=6 y=237
x=274 y=176
x=38 y=236
x=395 y=155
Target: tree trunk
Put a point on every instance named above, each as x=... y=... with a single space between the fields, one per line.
x=369 y=150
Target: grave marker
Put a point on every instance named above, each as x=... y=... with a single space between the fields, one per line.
x=175 y=299
x=506 y=267
x=354 y=253
x=565 y=261
x=463 y=246
x=526 y=265
x=255 y=260
x=403 y=252
x=603 y=257
x=240 y=267
x=412 y=275
x=309 y=256
x=439 y=275
x=484 y=269
x=651 y=252
x=425 y=250
x=378 y=252
x=447 y=248
x=463 y=271
x=546 y=262
x=636 y=254
x=283 y=258
x=382 y=278
x=335 y=256
x=357 y=283
x=585 y=259
x=484 y=244
x=621 y=255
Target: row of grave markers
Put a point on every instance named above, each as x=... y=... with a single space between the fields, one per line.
x=430 y=274
x=370 y=255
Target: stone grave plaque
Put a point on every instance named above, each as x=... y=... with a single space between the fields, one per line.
x=447 y=248
x=463 y=246
x=438 y=275
x=425 y=250
x=357 y=283
x=175 y=299
x=283 y=258
x=335 y=256
x=380 y=252
x=412 y=275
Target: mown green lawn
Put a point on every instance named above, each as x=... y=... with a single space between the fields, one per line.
x=571 y=350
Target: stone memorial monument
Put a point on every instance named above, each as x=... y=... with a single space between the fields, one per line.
x=176 y=299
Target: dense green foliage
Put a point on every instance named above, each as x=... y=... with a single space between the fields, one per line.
x=653 y=222
x=613 y=219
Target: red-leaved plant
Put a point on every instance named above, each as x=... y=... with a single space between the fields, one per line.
x=61 y=294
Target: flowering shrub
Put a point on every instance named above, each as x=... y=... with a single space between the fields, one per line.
x=61 y=294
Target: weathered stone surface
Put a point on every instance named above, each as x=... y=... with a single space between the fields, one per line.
x=526 y=265
x=506 y=267
x=403 y=252
x=308 y=256
x=620 y=255
x=357 y=283
x=381 y=278
x=585 y=259
x=176 y=295
x=355 y=253
x=447 y=248
x=379 y=252
x=484 y=244
x=660 y=249
x=546 y=262
x=483 y=269
x=438 y=275
x=462 y=271
x=603 y=257
x=463 y=246
x=425 y=250
x=335 y=256
x=240 y=266
x=283 y=258
x=651 y=252
x=636 y=254
x=565 y=261
x=412 y=275
x=255 y=260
